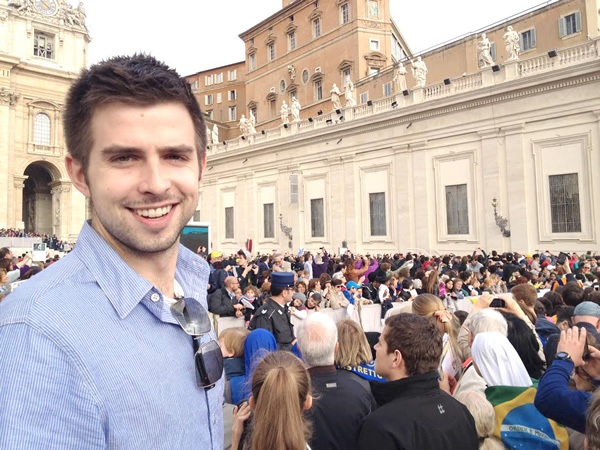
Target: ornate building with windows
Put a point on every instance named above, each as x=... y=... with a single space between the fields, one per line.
x=494 y=152
x=43 y=46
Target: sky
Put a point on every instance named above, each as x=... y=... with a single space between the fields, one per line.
x=185 y=33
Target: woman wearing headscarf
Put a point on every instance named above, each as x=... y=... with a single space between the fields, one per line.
x=257 y=345
x=511 y=391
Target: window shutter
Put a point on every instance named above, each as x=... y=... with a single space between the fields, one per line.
x=578 y=22
x=561 y=27
x=533 y=39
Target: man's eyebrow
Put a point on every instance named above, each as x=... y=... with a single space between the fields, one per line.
x=177 y=148
x=119 y=149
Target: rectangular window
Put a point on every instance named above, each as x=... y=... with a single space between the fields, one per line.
x=219 y=97
x=292 y=41
x=364 y=97
x=316 y=28
x=564 y=203
x=232 y=75
x=377 y=214
x=269 y=220
x=208 y=80
x=570 y=24
x=194 y=85
x=254 y=112
x=374 y=45
x=232 y=113
x=229 y=222
x=209 y=113
x=231 y=95
x=318 y=90
x=271 y=51
x=252 y=61
x=493 y=51
x=43 y=45
x=219 y=78
x=208 y=99
x=345 y=75
x=272 y=108
x=294 y=189
x=457 y=209
x=345 y=13
x=527 y=40
x=387 y=89
x=317 y=228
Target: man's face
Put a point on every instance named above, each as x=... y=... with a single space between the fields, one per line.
x=383 y=360
x=143 y=176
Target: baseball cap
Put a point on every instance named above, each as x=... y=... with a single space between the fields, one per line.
x=352 y=284
x=216 y=254
x=587 y=309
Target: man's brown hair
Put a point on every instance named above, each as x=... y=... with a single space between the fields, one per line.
x=417 y=339
x=138 y=80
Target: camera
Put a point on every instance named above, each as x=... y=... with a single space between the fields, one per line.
x=498 y=303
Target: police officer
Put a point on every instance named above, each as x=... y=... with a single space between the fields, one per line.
x=274 y=315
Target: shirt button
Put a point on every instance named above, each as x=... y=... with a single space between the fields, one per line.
x=155 y=297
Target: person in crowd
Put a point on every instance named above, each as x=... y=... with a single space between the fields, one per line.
x=308 y=261
x=554 y=398
x=519 y=424
x=232 y=342
x=94 y=333
x=340 y=404
x=352 y=273
x=298 y=306
x=485 y=417
x=245 y=271
x=483 y=320
x=587 y=315
x=281 y=394
x=414 y=413
x=257 y=344
x=224 y=302
x=432 y=308
x=523 y=340
x=592 y=429
x=313 y=303
x=353 y=353
x=320 y=263
x=274 y=315
x=337 y=299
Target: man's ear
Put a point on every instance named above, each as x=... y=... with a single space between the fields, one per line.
x=202 y=163
x=308 y=402
x=398 y=359
x=77 y=174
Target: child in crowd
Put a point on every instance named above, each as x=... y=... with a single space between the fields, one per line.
x=250 y=296
x=231 y=342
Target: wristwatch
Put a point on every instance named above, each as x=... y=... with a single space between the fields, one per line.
x=563 y=356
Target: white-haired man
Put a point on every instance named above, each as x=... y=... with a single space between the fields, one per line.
x=342 y=403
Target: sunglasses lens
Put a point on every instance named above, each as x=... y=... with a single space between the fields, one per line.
x=209 y=364
x=191 y=316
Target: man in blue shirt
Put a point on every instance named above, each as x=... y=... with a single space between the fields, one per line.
x=92 y=355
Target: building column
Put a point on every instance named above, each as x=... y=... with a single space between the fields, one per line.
x=60 y=192
x=17 y=212
x=514 y=207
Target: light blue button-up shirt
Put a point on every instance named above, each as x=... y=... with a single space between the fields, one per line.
x=90 y=357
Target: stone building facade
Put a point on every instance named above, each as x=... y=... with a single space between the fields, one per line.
x=502 y=156
x=43 y=46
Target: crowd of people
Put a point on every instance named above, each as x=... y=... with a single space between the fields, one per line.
x=113 y=346
x=51 y=241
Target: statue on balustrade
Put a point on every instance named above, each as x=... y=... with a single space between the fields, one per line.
x=252 y=123
x=349 y=93
x=400 y=78
x=511 y=41
x=244 y=126
x=296 y=107
x=484 y=51
x=284 y=113
x=215 y=134
x=419 y=71
x=335 y=97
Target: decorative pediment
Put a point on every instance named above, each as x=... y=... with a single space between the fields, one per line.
x=293 y=87
x=251 y=50
x=316 y=76
x=252 y=104
x=290 y=28
x=345 y=64
x=272 y=96
x=317 y=13
x=376 y=59
x=271 y=38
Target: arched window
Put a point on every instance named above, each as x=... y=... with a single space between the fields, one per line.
x=41 y=129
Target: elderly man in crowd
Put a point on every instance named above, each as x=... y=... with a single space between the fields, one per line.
x=223 y=301
x=341 y=404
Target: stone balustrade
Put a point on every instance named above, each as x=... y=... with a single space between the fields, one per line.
x=485 y=77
